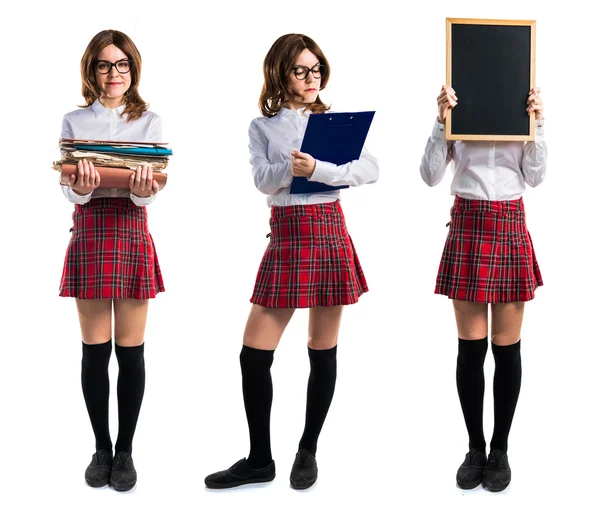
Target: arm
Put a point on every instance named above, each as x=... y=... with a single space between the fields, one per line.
x=73 y=197
x=535 y=156
x=154 y=135
x=268 y=178
x=358 y=172
x=67 y=132
x=141 y=201
x=437 y=156
x=438 y=152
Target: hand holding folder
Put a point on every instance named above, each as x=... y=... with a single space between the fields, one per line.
x=332 y=137
x=110 y=177
x=114 y=160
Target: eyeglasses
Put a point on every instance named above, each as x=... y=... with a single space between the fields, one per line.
x=104 y=66
x=301 y=71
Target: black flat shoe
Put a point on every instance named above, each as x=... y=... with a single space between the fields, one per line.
x=497 y=475
x=470 y=473
x=304 y=470
x=123 y=475
x=97 y=473
x=239 y=474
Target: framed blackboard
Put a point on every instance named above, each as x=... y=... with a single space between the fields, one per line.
x=490 y=64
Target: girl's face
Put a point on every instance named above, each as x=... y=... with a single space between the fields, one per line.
x=305 y=79
x=113 y=80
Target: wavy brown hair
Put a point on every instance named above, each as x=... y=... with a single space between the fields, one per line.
x=134 y=105
x=277 y=69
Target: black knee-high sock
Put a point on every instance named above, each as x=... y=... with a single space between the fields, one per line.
x=507 y=385
x=257 y=387
x=130 y=392
x=471 y=386
x=96 y=389
x=321 y=385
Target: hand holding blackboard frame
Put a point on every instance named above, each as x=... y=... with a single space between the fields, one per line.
x=490 y=64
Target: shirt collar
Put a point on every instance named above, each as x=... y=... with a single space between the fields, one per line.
x=284 y=111
x=99 y=109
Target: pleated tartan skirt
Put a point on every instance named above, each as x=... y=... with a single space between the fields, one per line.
x=111 y=253
x=310 y=260
x=488 y=256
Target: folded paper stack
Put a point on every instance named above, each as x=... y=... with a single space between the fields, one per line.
x=114 y=160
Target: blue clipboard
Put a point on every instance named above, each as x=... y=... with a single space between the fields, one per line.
x=159 y=152
x=332 y=137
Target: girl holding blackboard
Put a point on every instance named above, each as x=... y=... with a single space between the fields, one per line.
x=488 y=260
x=310 y=261
x=111 y=262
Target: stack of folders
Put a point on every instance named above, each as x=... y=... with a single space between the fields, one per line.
x=114 y=160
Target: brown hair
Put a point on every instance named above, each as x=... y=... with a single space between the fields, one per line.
x=134 y=105
x=277 y=68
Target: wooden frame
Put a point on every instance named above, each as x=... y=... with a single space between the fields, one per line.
x=450 y=134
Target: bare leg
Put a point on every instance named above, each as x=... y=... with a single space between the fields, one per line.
x=265 y=326
x=130 y=321
x=95 y=320
x=324 y=326
x=471 y=319
x=507 y=319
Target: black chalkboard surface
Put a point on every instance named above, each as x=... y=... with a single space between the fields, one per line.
x=491 y=66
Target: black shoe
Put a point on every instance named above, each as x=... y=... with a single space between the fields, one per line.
x=123 y=475
x=496 y=476
x=470 y=473
x=304 y=470
x=97 y=473
x=238 y=474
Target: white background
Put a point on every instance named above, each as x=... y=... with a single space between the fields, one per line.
x=395 y=433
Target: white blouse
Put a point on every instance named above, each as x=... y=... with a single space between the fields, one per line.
x=271 y=142
x=97 y=122
x=489 y=171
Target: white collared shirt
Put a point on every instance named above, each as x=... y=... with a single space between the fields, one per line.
x=99 y=123
x=489 y=171
x=271 y=142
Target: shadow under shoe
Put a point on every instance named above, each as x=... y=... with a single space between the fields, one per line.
x=97 y=474
x=497 y=474
x=304 y=470
x=240 y=473
x=123 y=475
x=470 y=473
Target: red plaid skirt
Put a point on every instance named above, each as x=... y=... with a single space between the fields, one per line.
x=111 y=253
x=310 y=260
x=488 y=256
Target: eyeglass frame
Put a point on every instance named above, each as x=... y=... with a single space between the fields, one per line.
x=113 y=64
x=308 y=69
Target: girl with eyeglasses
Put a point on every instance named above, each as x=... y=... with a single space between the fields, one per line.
x=488 y=263
x=310 y=261
x=111 y=267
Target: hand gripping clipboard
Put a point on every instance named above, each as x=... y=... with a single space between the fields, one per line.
x=332 y=137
